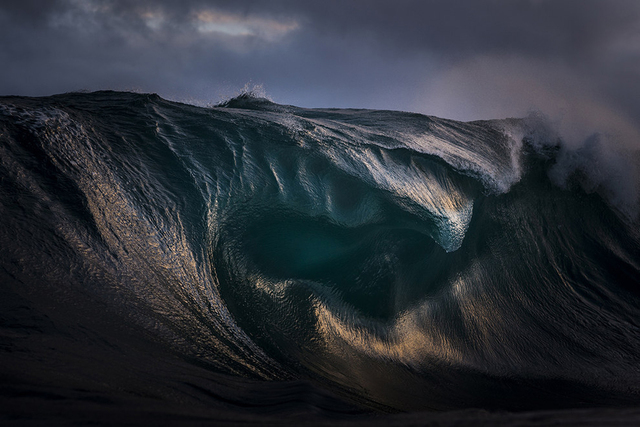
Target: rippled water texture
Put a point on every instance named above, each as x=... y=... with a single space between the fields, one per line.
x=250 y=254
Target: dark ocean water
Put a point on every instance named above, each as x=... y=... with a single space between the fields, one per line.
x=266 y=264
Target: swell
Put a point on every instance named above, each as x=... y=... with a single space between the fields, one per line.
x=402 y=261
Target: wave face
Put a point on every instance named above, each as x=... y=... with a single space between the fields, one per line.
x=401 y=261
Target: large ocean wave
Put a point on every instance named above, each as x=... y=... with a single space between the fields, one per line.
x=395 y=260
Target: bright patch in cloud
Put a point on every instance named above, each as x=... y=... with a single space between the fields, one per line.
x=209 y=22
x=154 y=20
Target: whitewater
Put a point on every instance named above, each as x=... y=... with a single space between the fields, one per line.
x=252 y=262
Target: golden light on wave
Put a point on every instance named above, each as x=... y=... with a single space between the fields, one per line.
x=407 y=340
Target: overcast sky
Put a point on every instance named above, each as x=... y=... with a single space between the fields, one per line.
x=464 y=60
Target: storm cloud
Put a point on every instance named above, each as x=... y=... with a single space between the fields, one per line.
x=578 y=61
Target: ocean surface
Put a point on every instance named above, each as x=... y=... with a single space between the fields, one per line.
x=261 y=264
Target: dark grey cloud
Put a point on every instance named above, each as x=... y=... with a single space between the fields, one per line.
x=573 y=29
x=30 y=11
x=462 y=59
